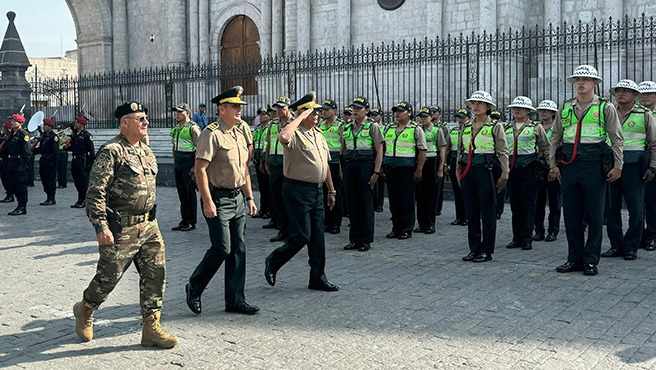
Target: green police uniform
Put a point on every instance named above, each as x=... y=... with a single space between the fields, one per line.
x=332 y=134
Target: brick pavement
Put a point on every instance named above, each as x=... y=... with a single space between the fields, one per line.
x=404 y=304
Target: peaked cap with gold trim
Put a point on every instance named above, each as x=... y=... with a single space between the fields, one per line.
x=306 y=102
x=230 y=96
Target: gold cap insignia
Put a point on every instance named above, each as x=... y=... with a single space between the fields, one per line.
x=134 y=107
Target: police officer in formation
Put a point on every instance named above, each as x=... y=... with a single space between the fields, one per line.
x=405 y=154
x=224 y=184
x=525 y=138
x=648 y=100
x=548 y=111
x=482 y=147
x=48 y=148
x=81 y=145
x=639 y=153
x=362 y=152
x=581 y=161
x=18 y=151
x=306 y=171
x=462 y=118
x=184 y=137
x=436 y=117
x=379 y=190
x=259 y=135
x=332 y=126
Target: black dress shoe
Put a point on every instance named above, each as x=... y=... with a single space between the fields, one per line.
x=569 y=267
x=613 y=252
x=630 y=255
x=455 y=222
x=590 y=269
x=364 y=247
x=464 y=223
x=188 y=227
x=392 y=235
x=269 y=274
x=538 y=236
x=278 y=238
x=351 y=246
x=18 y=211
x=430 y=230
x=48 y=202
x=482 y=257
x=323 y=286
x=335 y=230
x=242 y=307
x=193 y=300
x=469 y=257
x=179 y=227
x=527 y=246
x=8 y=199
x=551 y=237
x=270 y=225
x=418 y=229
x=650 y=245
x=78 y=205
x=513 y=244
x=404 y=235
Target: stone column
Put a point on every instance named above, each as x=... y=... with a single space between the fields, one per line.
x=434 y=19
x=265 y=29
x=488 y=15
x=344 y=23
x=204 y=31
x=176 y=19
x=552 y=13
x=120 y=44
x=277 y=27
x=192 y=30
x=303 y=28
x=291 y=40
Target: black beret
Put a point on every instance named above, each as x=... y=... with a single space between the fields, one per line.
x=128 y=108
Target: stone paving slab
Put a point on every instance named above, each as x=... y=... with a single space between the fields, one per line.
x=402 y=305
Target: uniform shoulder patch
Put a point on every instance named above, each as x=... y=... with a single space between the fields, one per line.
x=90 y=137
x=212 y=126
x=26 y=138
x=56 y=138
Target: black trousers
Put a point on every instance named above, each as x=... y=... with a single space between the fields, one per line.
x=522 y=190
x=439 y=190
x=650 y=211
x=62 y=163
x=263 y=187
x=401 y=194
x=360 y=200
x=461 y=215
x=333 y=218
x=30 y=170
x=4 y=176
x=276 y=179
x=631 y=188
x=227 y=239
x=17 y=180
x=184 y=162
x=551 y=190
x=80 y=177
x=306 y=219
x=583 y=186
x=379 y=193
x=479 y=195
x=48 y=174
x=427 y=194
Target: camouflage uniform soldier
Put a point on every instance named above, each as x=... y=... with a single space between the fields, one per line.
x=120 y=204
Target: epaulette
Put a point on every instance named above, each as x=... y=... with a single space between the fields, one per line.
x=212 y=126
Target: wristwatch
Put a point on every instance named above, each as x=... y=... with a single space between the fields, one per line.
x=248 y=198
x=334 y=192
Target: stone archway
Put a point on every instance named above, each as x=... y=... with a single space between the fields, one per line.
x=240 y=53
x=93 y=25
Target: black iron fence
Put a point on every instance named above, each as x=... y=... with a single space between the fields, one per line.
x=529 y=61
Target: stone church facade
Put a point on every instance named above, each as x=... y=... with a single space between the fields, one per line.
x=116 y=35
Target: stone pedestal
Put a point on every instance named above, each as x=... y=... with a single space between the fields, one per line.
x=14 y=89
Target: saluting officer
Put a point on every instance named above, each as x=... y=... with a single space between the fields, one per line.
x=524 y=139
x=462 y=118
x=18 y=153
x=224 y=184
x=332 y=127
x=579 y=138
x=48 y=147
x=259 y=135
x=481 y=148
x=405 y=154
x=81 y=145
x=648 y=100
x=362 y=152
x=547 y=110
x=639 y=155
x=306 y=171
x=379 y=190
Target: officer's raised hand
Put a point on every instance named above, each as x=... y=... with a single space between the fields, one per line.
x=614 y=175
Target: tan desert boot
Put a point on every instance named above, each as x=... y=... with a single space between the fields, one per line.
x=154 y=335
x=83 y=321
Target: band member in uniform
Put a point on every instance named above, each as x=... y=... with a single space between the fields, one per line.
x=306 y=171
x=81 y=145
x=120 y=204
x=62 y=160
x=5 y=133
x=184 y=137
x=579 y=151
x=18 y=153
x=462 y=118
x=639 y=155
x=224 y=184
x=648 y=100
x=482 y=147
x=48 y=147
x=332 y=127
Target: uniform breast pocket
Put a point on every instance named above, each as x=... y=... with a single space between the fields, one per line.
x=228 y=149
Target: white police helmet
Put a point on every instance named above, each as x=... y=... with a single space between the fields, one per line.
x=522 y=102
x=481 y=95
x=625 y=84
x=584 y=71
x=548 y=105
x=646 y=87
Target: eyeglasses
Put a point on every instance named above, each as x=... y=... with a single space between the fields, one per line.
x=141 y=119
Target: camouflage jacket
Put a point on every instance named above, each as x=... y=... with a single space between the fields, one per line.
x=122 y=178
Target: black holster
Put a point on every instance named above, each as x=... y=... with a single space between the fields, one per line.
x=114 y=222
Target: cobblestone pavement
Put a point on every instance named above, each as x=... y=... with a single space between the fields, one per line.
x=404 y=304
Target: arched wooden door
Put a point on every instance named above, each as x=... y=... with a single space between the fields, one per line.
x=240 y=54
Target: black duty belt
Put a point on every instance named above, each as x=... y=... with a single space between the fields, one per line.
x=305 y=183
x=223 y=192
x=14 y=156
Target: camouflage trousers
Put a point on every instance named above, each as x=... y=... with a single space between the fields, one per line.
x=142 y=244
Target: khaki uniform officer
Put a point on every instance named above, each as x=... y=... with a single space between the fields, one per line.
x=306 y=170
x=224 y=184
x=120 y=204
